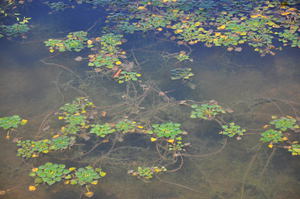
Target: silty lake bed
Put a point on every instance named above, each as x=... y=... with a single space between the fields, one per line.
x=35 y=84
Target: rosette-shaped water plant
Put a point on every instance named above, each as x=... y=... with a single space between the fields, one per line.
x=11 y=122
x=49 y=173
x=87 y=175
x=206 y=111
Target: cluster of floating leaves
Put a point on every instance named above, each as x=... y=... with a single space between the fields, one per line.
x=266 y=26
x=280 y=133
x=233 y=24
x=146 y=173
x=168 y=134
x=105 y=54
x=51 y=173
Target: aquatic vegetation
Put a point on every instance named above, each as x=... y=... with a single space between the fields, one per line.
x=272 y=135
x=213 y=23
x=12 y=122
x=101 y=130
x=29 y=148
x=126 y=76
x=146 y=173
x=281 y=125
x=61 y=143
x=181 y=73
x=32 y=149
x=110 y=42
x=285 y=123
x=79 y=105
x=75 y=115
x=87 y=175
x=176 y=144
x=167 y=138
x=102 y=60
x=294 y=149
x=126 y=126
x=182 y=56
x=263 y=25
x=206 y=111
x=166 y=130
x=14 y=30
x=57 y=6
x=74 y=41
x=279 y=131
x=232 y=129
x=106 y=55
x=51 y=173
x=260 y=24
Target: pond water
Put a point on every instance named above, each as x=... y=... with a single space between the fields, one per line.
x=35 y=83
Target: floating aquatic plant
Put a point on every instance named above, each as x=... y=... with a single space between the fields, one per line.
x=146 y=173
x=49 y=173
x=74 y=41
x=232 y=129
x=181 y=73
x=14 y=30
x=75 y=115
x=87 y=175
x=285 y=123
x=206 y=111
x=294 y=149
x=166 y=130
x=12 y=122
x=32 y=149
x=126 y=76
x=102 y=130
x=126 y=126
x=272 y=135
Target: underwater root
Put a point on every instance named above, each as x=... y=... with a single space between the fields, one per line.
x=88 y=152
x=268 y=161
x=107 y=153
x=5 y=191
x=248 y=171
x=207 y=154
x=43 y=124
x=275 y=102
x=60 y=66
x=180 y=165
x=176 y=184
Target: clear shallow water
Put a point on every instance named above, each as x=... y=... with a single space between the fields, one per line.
x=243 y=81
